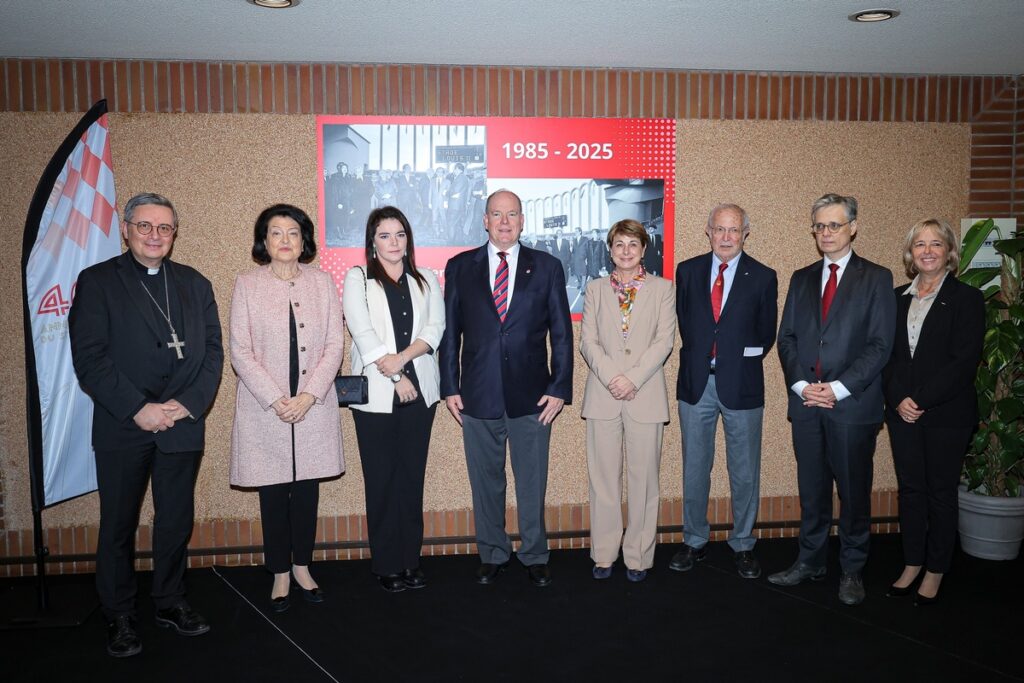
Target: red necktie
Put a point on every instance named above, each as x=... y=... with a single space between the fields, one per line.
x=830 y=291
x=501 y=287
x=826 y=302
x=717 y=290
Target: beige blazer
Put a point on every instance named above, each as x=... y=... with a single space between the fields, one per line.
x=261 y=444
x=640 y=356
x=369 y=322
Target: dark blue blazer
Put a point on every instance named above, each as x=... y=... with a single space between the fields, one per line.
x=502 y=368
x=748 y=320
x=940 y=376
x=853 y=345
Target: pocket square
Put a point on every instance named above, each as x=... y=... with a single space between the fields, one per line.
x=750 y=351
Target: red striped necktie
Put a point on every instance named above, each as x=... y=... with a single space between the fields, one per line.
x=501 y=286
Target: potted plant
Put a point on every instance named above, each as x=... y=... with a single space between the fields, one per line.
x=991 y=501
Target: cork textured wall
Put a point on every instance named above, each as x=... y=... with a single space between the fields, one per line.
x=221 y=170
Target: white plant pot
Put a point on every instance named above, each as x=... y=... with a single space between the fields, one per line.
x=991 y=527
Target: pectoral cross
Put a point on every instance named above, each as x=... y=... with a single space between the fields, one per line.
x=176 y=345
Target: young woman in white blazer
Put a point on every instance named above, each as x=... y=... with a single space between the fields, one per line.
x=395 y=314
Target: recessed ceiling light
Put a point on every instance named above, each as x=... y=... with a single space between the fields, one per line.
x=870 y=16
x=275 y=4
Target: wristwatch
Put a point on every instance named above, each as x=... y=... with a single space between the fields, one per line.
x=396 y=378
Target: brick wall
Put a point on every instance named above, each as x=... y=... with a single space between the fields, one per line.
x=992 y=105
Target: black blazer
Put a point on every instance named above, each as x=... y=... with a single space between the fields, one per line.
x=118 y=345
x=940 y=376
x=748 y=320
x=853 y=345
x=498 y=367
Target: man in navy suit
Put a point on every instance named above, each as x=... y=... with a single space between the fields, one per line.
x=726 y=304
x=837 y=331
x=504 y=302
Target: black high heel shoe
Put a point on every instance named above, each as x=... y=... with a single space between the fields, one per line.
x=309 y=594
x=897 y=592
x=922 y=600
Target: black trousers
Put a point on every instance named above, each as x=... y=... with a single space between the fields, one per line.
x=393 y=451
x=122 y=476
x=828 y=451
x=288 y=514
x=928 y=462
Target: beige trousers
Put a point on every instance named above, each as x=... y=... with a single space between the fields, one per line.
x=605 y=441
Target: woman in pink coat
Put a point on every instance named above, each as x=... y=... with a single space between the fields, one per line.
x=286 y=347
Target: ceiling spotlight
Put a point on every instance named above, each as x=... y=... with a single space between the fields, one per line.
x=275 y=4
x=870 y=16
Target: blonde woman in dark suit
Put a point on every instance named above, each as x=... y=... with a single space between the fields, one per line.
x=931 y=404
x=629 y=323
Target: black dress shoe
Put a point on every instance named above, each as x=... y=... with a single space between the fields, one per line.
x=747 y=565
x=851 y=588
x=488 y=572
x=922 y=600
x=797 y=574
x=280 y=604
x=122 y=638
x=414 y=578
x=392 y=583
x=183 y=620
x=539 y=574
x=687 y=558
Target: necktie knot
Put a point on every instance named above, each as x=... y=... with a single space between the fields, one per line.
x=833 y=267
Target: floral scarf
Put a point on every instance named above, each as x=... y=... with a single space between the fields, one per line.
x=627 y=292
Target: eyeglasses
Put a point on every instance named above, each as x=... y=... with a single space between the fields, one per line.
x=145 y=227
x=719 y=231
x=832 y=227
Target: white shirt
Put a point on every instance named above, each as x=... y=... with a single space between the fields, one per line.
x=919 y=307
x=838 y=389
x=493 y=260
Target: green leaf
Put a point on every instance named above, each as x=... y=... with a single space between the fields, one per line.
x=979 y=277
x=1009 y=409
x=975 y=237
x=1010 y=247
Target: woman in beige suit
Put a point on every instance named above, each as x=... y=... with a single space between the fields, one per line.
x=395 y=314
x=629 y=324
x=286 y=348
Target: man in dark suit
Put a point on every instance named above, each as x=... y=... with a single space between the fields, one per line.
x=835 y=338
x=458 y=198
x=726 y=304
x=561 y=250
x=146 y=345
x=580 y=252
x=654 y=257
x=504 y=303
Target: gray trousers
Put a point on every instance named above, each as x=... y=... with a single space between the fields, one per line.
x=528 y=442
x=743 y=460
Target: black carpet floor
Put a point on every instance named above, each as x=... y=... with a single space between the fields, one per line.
x=705 y=625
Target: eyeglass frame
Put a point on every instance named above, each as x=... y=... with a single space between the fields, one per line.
x=722 y=230
x=163 y=229
x=833 y=230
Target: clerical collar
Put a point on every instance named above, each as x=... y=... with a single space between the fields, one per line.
x=145 y=269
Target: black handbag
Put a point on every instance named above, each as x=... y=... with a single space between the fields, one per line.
x=353 y=390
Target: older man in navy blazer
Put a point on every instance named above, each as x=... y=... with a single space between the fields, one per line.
x=504 y=302
x=836 y=335
x=726 y=303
